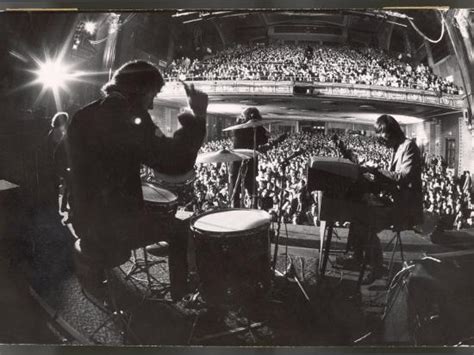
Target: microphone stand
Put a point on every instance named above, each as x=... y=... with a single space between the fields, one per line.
x=254 y=188
x=280 y=214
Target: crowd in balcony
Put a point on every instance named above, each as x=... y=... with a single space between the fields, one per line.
x=326 y=64
x=445 y=195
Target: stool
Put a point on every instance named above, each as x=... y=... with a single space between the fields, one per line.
x=178 y=265
x=93 y=272
x=397 y=241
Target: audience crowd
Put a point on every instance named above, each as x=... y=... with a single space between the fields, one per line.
x=445 y=195
x=330 y=64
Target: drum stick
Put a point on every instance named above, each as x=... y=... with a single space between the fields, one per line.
x=230 y=332
x=301 y=288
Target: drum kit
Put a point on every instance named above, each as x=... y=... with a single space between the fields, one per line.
x=232 y=245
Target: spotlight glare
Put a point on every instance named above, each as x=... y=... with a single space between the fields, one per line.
x=90 y=27
x=52 y=74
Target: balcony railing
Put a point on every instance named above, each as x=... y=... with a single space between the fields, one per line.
x=290 y=88
x=231 y=87
x=370 y=92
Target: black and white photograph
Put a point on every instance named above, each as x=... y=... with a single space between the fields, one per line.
x=231 y=177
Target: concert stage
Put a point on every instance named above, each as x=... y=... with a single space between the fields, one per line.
x=333 y=314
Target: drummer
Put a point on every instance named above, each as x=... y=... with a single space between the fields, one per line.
x=107 y=142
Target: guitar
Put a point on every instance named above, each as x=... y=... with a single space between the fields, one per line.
x=341 y=147
x=273 y=143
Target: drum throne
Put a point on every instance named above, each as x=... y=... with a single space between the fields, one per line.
x=96 y=279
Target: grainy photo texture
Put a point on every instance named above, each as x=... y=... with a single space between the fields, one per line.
x=230 y=177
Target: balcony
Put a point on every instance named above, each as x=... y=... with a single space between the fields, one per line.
x=290 y=88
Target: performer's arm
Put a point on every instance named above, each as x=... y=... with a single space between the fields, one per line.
x=410 y=166
x=269 y=144
x=177 y=155
x=171 y=155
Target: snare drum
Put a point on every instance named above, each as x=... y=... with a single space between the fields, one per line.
x=233 y=255
x=181 y=185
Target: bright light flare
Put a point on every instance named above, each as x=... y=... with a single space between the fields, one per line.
x=90 y=27
x=53 y=74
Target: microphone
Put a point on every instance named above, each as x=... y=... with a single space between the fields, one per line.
x=292 y=156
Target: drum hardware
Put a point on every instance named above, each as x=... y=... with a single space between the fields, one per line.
x=102 y=295
x=247 y=152
x=240 y=180
x=291 y=274
x=162 y=204
x=221 y=156
x=143 y=266
x=234 y=331
x=228 y=156
x=116 y=315
x=252 y=124
x=279 y=217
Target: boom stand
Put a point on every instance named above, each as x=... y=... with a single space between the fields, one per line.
x=254 y=189
x=280 y=213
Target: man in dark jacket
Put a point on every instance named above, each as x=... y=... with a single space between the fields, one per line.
x=108 y=140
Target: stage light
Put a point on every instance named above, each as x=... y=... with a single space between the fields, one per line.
x=90 y=27
x=137 y=121
x=52 y=74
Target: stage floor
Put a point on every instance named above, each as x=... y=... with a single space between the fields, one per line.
x=329 y=312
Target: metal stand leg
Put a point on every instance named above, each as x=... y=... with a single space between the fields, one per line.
x=116 y=314
x=398 y=242
x=365 y=256
x=327 y=249
x=143 y=266
x=280 y=214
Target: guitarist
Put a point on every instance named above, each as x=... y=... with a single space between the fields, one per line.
x=244 y=139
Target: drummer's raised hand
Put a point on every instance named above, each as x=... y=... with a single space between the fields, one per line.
x=197 y=100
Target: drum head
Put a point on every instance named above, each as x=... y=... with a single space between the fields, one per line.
x=154 y=194
x=228 y=221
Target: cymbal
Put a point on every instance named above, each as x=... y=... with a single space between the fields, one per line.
x=221 y=156
x=247 y=152
x=250 y=124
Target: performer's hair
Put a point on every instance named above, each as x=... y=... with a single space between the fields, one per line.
x=389 y=125
x=59 y=119
x=135 y=78
x=250 y=113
